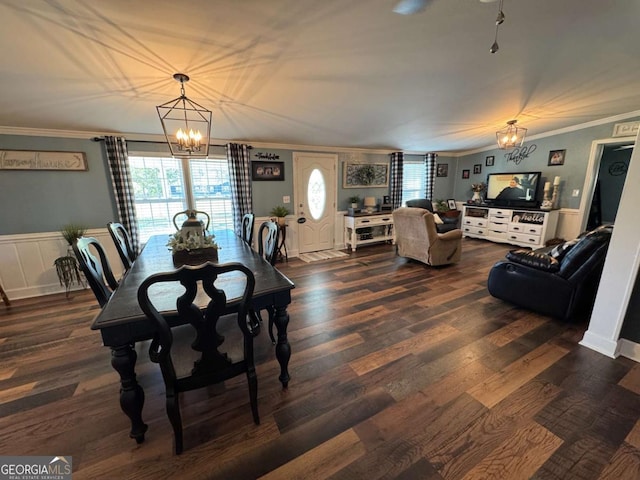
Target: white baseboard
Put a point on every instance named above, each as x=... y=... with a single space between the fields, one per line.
x=629 y=349
x=600 y=344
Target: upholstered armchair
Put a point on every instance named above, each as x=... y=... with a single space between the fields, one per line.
x=417 y=238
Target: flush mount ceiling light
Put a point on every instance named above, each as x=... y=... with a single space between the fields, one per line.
x=511 y=136
x=499 y=21
x=186 y=124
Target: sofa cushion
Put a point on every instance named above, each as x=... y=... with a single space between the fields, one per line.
x=533 y=259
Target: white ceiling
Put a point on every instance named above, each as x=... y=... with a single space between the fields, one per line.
x=334 y=73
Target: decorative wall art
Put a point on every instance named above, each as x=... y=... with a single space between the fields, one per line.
x=556 y=157
x=465 y=173
x=265 y=171
x=266 y=156
x=488 y=162
x=477 y=168
x=627 y=129
x=442 y=170
x=33 y=160
x=357 y=175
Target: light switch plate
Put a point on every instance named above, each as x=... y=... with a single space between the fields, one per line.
x=286 y=199
x=575 y=192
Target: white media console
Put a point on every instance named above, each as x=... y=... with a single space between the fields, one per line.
x=518 y=226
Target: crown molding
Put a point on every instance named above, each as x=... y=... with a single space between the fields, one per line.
x=560 y=131
x=141 y=137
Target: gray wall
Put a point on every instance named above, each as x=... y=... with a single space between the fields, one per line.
x=43 y=201
x=577 y=145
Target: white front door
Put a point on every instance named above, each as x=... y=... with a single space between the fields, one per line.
x=315 y=195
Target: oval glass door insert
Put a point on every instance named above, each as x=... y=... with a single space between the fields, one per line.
x=316 y=194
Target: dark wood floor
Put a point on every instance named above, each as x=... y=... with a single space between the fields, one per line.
x=398 y=371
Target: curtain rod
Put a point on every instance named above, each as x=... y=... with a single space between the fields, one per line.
x=101 y=139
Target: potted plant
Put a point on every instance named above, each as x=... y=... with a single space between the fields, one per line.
x=354 y=200
x=280 y=211
x=67 y=267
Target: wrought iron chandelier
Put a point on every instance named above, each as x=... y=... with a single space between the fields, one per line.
x=511 y=136
x=186 y=125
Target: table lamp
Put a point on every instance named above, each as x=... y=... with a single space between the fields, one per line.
x=369 y=204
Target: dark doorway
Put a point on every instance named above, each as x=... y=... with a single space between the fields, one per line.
x=612 y=174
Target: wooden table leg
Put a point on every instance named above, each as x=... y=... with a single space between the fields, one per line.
x=123 y=360
x=5 y=299
x=283 y=349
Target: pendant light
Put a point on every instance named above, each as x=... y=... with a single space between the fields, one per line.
x=186 y=125
x=511 y=136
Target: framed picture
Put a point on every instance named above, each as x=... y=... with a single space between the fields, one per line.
x=442 y=170
x=358 y=175
x=267 y=171
x=465 y=173
x=477 y=168
x=452 y=204
x=488 y=162
x=39 y=160
x=556 y=157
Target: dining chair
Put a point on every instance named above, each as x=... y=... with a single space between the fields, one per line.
x=247 y=228
x=122 y=241
x=268 y=241
x=268 y=234
x=187 y=364
x=97 y=271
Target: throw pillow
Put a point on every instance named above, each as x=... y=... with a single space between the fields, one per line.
x=559 y=251
x=531 y=258
x=437 y=219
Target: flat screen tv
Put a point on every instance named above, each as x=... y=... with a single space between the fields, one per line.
x=513 y=189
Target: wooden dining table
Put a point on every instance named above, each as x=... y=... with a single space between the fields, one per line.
x=122 y=322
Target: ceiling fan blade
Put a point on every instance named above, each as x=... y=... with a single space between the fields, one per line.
x=410 y=7
x=623 y=147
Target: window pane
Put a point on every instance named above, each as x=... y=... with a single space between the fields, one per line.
x=212 y=191
x=159 y=188
x=413 y=180
x=159 y=193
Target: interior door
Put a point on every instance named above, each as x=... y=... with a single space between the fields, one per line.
x=315 y=196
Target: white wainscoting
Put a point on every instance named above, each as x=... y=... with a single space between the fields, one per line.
x=26 y=262
x=568 y=223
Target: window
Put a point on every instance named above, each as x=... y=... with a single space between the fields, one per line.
x=165 y=186
x=414 y=183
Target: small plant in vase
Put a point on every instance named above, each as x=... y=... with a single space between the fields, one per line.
x=67 y=267
x=354 y=201
x=280 y=212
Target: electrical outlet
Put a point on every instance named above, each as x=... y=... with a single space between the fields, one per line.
x=575 y=192
x=286 y=199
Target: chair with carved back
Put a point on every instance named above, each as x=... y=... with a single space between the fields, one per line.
x=97 y=270
x=268 y=235
x=268 y=241
x=247 y=228
x=122 y=241
x=189 y=355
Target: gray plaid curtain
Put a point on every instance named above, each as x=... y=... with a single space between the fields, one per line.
x=395 y=177
x=118 y=159
x=240 y=178
x=430 y=170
